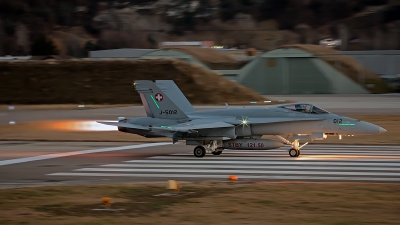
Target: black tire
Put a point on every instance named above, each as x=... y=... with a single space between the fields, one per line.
x=293 y=152
x=217 y=153
x=199 y=151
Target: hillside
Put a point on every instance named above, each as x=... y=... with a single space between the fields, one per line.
x=110 y=82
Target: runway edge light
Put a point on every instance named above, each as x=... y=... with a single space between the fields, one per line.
x=173 y=185
x=233 y=178
x=106 y=202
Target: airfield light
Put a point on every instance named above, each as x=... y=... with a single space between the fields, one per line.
x=233 y=178
x=106 y=201
x=173 y=185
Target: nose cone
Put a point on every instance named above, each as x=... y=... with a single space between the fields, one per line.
x=382 y=130
x=369 y=128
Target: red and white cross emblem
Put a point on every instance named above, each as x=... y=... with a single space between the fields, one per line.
x=159 y=97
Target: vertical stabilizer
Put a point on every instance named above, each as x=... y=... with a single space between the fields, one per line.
x=157 y=104
x=173 y=92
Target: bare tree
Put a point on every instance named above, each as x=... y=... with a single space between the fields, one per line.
x=22 y=37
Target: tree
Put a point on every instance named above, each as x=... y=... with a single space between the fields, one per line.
x=43 y=46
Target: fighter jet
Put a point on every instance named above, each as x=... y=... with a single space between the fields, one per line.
x=170 y=114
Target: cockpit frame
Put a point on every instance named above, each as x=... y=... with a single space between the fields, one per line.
x=304 y=108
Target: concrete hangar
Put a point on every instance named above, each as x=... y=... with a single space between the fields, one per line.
x=281 y=71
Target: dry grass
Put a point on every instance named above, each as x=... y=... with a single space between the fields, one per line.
x=345 y=64
x=208 y=55
x=211 y=203
x=41 y=131
x=110 y=82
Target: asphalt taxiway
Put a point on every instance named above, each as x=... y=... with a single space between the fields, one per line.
x=61 y=163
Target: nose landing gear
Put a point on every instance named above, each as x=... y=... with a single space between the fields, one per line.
x=294 y=153
x=295 y=150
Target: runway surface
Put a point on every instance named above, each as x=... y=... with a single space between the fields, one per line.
x=45 y=163
x=323 y=163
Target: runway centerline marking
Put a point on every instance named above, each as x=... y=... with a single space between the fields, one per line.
x=66 y=154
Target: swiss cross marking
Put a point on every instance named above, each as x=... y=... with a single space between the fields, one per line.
x=159 y=97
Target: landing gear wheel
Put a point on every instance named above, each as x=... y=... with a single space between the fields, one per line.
x=216 y=152
x=199 y=151
x=294 y=153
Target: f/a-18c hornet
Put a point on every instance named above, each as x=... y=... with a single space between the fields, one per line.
x=170 y=114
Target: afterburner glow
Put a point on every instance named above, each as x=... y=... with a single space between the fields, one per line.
x=79 y=126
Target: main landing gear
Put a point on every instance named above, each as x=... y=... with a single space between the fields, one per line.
x=199 y=151
x=217 y=151
x=212 y=147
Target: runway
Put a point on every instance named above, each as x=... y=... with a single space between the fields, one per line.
x=67 y=163
x=317 y=163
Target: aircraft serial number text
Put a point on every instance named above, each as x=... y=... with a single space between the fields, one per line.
x=169 y=112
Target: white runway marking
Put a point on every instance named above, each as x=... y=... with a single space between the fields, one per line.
x=65 y=154
x=370 y=163
x=281 y=172
x=221 y=176
x=242 y=166
x=268 y=161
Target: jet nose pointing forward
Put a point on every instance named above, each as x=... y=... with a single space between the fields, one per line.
x=382 y=130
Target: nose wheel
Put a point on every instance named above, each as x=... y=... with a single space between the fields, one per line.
x=294 y=153
x=199 y=151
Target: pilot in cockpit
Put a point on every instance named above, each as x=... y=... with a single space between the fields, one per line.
x=303 y=108
x=299 y=108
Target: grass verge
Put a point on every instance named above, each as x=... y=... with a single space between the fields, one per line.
x=206 y=202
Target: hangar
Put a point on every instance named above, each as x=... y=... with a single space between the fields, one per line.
x=287 y=70
x=294 y=71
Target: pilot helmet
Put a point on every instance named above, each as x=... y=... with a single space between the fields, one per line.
x=299 y=106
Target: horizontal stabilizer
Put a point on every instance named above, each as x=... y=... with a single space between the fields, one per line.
x=121 y=124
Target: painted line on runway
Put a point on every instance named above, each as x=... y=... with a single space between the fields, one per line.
x=394 y=174
x=274 y=158
x=65 y=154
x=267 y=162
x=330 y=151
x=226 y=176
x=243 y=166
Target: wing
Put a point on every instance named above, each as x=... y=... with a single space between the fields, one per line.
x=264 y=120
x=193 y=126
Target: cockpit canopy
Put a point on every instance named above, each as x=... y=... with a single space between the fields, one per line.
x=305 y=108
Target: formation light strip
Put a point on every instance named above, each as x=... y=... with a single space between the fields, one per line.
x=154 y=101
x=346 y=124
